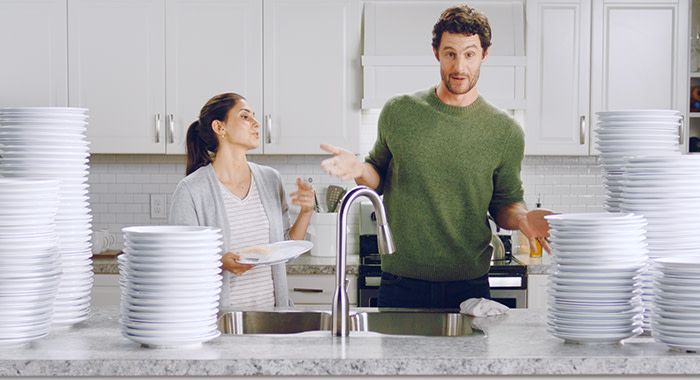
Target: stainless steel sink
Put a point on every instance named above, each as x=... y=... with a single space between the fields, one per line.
x=394 y=322
x=412 y=323
x=273 y=322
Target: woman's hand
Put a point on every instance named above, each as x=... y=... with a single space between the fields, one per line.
x=230 y=263
x=304 y=197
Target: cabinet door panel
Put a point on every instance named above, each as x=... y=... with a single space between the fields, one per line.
x=640 y=47
x=33 y=69
x=116 y=70
x=558 y=77
x=212 y=47
x=311 y=59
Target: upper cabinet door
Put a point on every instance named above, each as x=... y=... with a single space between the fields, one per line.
x=116 y=70
x=33 y=68
x=311 y=60
x=641 y=48
x=212 y=47
x=558 y=61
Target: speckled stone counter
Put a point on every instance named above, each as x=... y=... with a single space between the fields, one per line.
x=304 y=264
x=512 y=344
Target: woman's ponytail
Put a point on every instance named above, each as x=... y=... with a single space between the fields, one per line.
x=197 y=152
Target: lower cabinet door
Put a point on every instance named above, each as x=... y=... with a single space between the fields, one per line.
x=318 y=289
x=105 y=290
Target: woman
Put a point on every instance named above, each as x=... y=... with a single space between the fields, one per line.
x=247 y=201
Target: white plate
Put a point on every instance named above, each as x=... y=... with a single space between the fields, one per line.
x=165 y=309
x=634 y=261
x=184 y=288
x=164 y=342
x=595 y=338
x=279 y=252
x=158 y=302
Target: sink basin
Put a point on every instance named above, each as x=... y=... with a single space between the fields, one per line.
x=394 y=322
x=412 y=323
x=273 y=322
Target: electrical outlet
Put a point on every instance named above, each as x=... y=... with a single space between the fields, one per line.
x=158 y=206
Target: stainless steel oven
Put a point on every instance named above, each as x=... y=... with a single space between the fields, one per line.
x=507 y=280
x=507 y=277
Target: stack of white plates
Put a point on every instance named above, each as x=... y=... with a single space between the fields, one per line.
x=627 y=133
x=170 y=280
x=595 y=290
x=676 y=306
x=49 y=142
x=658 y=187
x=29 y=266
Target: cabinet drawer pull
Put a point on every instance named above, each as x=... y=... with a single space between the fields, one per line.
x=268 y=129
x=171 y=128
x=157 y=127
x=582 y=133
x=307 y=290
x=681 y=129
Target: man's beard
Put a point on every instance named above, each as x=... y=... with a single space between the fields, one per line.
x=470 y=85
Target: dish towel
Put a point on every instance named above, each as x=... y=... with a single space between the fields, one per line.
x=482 y=307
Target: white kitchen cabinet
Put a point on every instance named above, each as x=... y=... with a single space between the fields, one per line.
x=537 y=291
x=145 y=68
x=311 y=76
x=33 y=68
x=638 y=59
x=211 y=47
x=105 y=290
x=318 y=289
x=641 y=59
x=558 y=61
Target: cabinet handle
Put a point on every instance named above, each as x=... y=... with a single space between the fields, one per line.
x=307 y=290
x=582 y=131
x=268 y=129
x=681 y=128
x=157 y=127
x=171 y=128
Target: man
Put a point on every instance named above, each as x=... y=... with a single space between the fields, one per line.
x=443 y=158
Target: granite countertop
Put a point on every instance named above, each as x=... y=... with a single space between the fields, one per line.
x=106 y=263
x=512 y=344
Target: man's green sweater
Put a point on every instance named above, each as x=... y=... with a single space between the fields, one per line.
x=442 y=168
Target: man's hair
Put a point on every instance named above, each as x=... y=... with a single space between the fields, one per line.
x=465 y=20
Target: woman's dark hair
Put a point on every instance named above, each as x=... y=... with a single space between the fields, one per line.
x=201 y=139
x=463 y=20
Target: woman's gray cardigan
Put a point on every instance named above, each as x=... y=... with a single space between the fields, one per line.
x=197 y=201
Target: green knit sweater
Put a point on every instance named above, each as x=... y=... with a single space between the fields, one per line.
x=442 y=168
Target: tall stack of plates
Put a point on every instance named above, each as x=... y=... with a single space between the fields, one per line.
x=676 y=306
x=626 y=133
x=595 y=290
x=50 y=143
x=170 y=281
x=29 y=266
x=665 y=191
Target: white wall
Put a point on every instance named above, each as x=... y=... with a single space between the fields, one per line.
x=120 y=185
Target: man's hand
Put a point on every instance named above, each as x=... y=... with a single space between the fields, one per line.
x=535 y=227
x=343 y=164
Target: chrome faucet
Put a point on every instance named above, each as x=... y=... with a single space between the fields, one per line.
x=341 y=308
